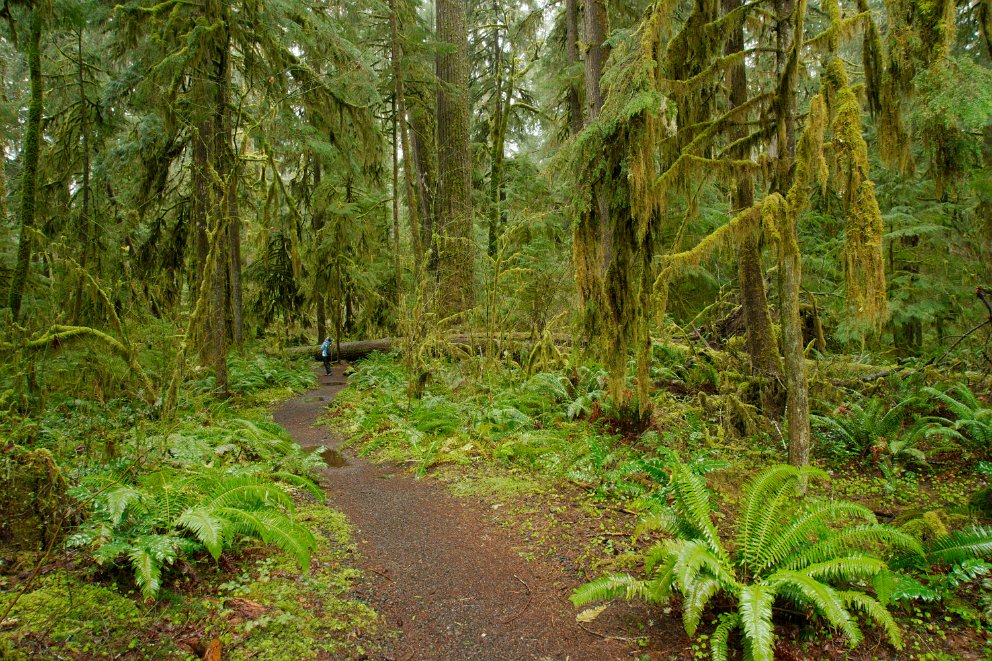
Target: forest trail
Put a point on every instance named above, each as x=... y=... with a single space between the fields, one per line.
x=452 y=585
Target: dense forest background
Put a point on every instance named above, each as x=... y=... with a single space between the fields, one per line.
x=765 y=223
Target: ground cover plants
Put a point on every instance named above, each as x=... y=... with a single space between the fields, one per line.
x=887 y=538
x=181 y=531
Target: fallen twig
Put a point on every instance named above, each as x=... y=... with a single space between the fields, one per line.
x=530 y=597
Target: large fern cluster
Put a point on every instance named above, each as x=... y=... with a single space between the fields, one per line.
x=969 y=421
x=154 y=520
x=816 y=555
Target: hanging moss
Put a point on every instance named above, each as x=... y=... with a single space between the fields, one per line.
x=864 y=262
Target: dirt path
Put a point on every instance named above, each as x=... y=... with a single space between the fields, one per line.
x=453 y=585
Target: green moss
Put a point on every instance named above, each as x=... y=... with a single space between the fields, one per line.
x=298 y=617
x=80 y=618
x=33 y=501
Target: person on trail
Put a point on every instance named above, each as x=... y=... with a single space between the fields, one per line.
x=325 y=354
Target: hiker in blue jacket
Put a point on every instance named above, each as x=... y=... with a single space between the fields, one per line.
x=325 y=354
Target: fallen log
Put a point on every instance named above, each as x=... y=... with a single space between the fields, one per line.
x=471 y=342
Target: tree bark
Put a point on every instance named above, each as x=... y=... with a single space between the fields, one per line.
x=424 y=145
x=31 y=156
x=497 y=139
x=572 y=58
x=84 y=214
x=761 y=345
x=456 y=250
x=791 y=19
x=396 y=53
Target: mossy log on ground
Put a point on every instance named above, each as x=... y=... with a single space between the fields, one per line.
x=472 y=342
x=33 y=501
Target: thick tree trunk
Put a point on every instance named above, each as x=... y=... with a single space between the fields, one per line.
x=424 y=145
x=219 y=150
x=596 y=23
x=30 y=158
x=791 y=18
x=761 y=344
x=456 y=253
x=408 y=158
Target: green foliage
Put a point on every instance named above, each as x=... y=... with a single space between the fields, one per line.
x=970 y=420
x=152 y=521
x=815 y=554
x=858 y=429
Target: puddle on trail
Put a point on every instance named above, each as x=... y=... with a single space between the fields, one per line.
x=331 y=457
x=318 y=398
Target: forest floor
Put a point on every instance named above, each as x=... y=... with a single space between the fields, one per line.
x=450 y=581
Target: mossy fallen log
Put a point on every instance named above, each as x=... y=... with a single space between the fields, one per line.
x=467 y=341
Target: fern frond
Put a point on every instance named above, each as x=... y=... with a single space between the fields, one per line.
x=853 y=538
x=247 y=491
x=798 y=531
x=692 y=503
x=208 y=528
x=304 y=483
x=693 y=557
x=613 y=586
x=147 y=571
x=118 y=501
x=960 y=545
x=850 y=568
x=819 y=595
x=274 y=528
x=876 y=612
x=694 y=603
x=720 y=640
x=756 y=620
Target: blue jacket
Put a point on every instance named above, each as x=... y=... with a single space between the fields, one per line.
x=325 y=348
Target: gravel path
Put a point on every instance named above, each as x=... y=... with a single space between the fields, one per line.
x=452 y=585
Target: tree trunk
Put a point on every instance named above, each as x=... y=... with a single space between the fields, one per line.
x=397 y=269
x=236 y=293
x=456 y=254
x=411 y=194
x=84 y=214
x=424 y=146
x=497 y=138
x=761 y=345
x=220 y=159
x=572 y=58
x=31 y=155
x=320 y=279
x=790 y=21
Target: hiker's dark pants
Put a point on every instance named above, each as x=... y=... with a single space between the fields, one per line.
x=327 y=363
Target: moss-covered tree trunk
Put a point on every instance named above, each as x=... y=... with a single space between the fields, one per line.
x=455 y=250
x=29 y=168
x=791 y=19
x=84 y=212
x=498 y=121
x=220 y=180
x=761 y=345
x=423 y=141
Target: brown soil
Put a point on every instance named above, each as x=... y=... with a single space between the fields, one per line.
x=452 y=584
